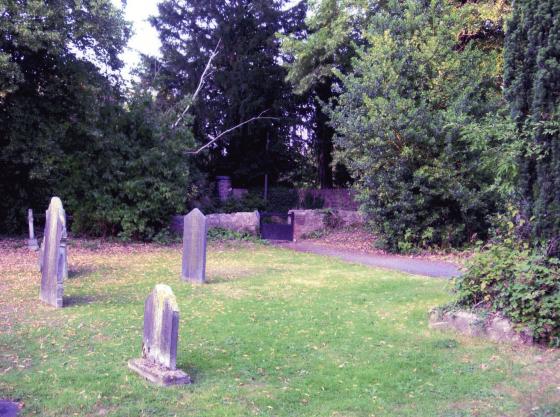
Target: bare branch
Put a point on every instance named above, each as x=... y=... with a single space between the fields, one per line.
x=203 y=77
x=214 y=139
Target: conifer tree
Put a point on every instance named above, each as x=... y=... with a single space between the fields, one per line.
x=246 y=80
x=532 y=81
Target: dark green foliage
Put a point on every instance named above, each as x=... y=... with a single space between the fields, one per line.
x=332 y=220
x=281 y=199
x=67 y=130
x=521 y=283
x=53 y=102
x=312 y=201
x=220 y=234
x=250 y=202
x=140 y=179
x=332 y=31
x=516 y=274
x=246 y=80
x=401 y=123
x=532 y=81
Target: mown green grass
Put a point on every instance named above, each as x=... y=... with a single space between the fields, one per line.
x=273 y=333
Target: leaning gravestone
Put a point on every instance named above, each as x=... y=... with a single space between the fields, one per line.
x=159 y=345
x=53 y=262
x=194 y=247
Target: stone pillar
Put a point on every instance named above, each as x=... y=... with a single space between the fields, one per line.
x=224 y=187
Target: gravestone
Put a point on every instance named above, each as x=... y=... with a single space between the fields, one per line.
x=194 y=247
x=53 y=262
x=159 y=345
x=32 y=241
x=9 y=408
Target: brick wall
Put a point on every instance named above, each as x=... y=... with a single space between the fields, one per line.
x=308 y=221
x=335 y=198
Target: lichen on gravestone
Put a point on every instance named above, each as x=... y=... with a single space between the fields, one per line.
x=161 y=326
x=159 y=344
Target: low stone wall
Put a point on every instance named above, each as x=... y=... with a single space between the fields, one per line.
x=308 y=221
x=493 y=326
x=239 y=222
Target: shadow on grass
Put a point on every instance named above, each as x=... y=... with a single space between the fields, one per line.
x=191 y=371
x=78 y=300
x=81 y=271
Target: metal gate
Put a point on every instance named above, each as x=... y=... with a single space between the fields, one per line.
x=277 y=226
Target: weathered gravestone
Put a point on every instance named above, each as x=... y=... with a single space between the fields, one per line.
x=159 y=345
x=53 y=262
x=32 y=241
x=194 y=247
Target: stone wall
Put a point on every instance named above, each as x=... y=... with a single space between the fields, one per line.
x=488 y=326
x=239 y=222
x=335 y=198
x=308 y=221
x=305 y=221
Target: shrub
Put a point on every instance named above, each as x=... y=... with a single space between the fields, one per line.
x=312 y=201
x=220 y=234
x=250 y=202
x=316 y=234
x=400 y=120
x=282 y=199
x=521 y=282
x=332 y=220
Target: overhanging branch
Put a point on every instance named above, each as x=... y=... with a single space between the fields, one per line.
x=203 y=77
x=214 y=139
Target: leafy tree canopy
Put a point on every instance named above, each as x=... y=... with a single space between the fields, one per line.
x=400 y=121
x=62 y=115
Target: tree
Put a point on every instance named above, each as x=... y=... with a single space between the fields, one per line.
x=51 y=91
x=532 y=81
x=246 y=81
x=333 y=28
x=400 y=122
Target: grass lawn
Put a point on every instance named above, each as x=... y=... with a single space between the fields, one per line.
x=273 y=333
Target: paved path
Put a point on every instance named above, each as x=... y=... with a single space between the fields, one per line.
x=416 y=266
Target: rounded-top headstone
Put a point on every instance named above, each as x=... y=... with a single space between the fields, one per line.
x=194 y=247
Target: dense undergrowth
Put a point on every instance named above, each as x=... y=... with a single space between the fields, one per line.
x=520 y=280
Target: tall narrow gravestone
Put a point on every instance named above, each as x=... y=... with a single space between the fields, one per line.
x=159 y=345
x=194 y=247
x=53 y=260
x=32 y=241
